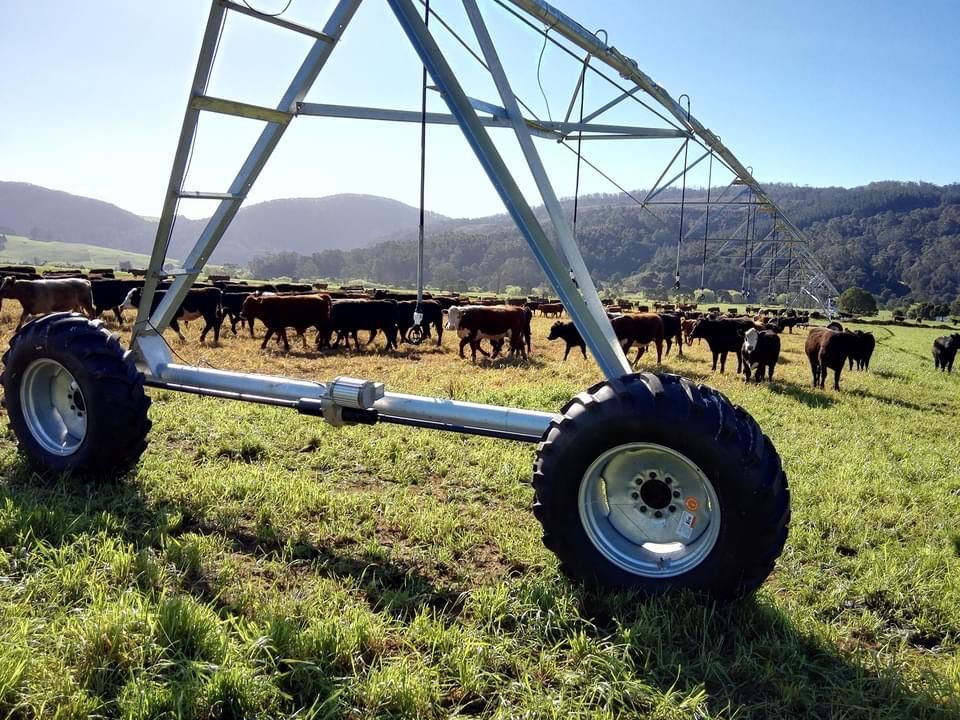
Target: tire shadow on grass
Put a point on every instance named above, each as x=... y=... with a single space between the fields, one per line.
x=754 y=662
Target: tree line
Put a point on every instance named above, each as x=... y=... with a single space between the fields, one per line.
x=898 y=241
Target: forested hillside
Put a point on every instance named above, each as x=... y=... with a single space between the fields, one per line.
x=897 y=240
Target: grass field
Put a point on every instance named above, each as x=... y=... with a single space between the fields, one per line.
x=21 y=250
x=260 y=564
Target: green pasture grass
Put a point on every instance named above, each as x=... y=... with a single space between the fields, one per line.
x=261 y=564
x=21 y=250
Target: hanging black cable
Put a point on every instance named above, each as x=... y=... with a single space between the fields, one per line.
x=706 y=224
x=771 y=288
x=789 y=265
x=753 y=248
x=576 y=185
x=415 y=333
x=746 y=247
x=683 y=195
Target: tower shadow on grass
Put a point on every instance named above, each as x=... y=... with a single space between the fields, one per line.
x=748 y=659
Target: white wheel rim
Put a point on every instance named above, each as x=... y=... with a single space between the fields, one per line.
x=53 y=407
x=649 y=510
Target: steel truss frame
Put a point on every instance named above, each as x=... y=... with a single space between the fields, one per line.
x=353 y=400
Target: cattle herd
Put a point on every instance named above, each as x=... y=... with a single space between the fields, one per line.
x=338 y=317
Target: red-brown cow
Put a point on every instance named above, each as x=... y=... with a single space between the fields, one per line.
x=827 y=348
x=640 y=328
x=278 y=312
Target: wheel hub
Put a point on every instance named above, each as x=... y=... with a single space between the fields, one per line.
x=54 y=407
x=649 y=509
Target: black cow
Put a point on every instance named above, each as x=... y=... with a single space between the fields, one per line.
x=205 y=302
x=347 y=317
x=567 y=332
x=724 y=335
x=944 y=351
x=432 y=315
x=233 y=309
x=110 y=294
x=672 y=330
x=862 y=350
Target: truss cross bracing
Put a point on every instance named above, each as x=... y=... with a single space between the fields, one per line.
x=738 y=221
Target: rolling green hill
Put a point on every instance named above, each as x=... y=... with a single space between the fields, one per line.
x=21 y=250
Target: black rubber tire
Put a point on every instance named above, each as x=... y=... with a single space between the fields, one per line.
x=697 y=421
x=112 y=387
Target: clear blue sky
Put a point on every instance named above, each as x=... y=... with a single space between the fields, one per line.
x=815 y=93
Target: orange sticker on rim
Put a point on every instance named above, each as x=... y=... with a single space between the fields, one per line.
x=691 y=503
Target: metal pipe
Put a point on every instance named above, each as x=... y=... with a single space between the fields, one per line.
x=530 y=423
x=265 y=386
x=431 y=412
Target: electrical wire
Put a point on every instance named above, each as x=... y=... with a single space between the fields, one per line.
x=546 y=34
x=261 y=12
x=473 y=53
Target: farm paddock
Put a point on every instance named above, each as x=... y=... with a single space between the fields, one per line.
x=258 y=562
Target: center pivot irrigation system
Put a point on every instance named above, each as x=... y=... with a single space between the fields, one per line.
x=642 y=481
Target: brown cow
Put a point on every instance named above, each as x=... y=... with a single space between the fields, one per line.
x=474 y=323
x=39 y=297
x=828 y=349
x=278 y=312
x=551 y=309
x=640 y=328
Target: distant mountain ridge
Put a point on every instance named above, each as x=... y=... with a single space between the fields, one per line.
x=303 y=225
x=896 y=239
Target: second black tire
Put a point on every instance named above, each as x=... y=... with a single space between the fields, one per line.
x=700 y=424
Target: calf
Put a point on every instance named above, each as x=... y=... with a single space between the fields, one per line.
x=39 y=297
x=944 y=351
x=686 y=326
x=278 y=312
x=474 y=323
x=672 y=330
x=640 y=328
x=568 y=332
x=724 y=335
x=828 y=349
x=205 y=302
x=760 y=350
x=348 y=317
x=862 y=350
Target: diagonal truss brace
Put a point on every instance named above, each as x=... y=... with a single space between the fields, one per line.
x=276 y=125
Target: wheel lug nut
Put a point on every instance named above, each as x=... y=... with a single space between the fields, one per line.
x=658 y=514
x=635 y=495
x=676 y=493
x=673 y=508
x=653 y=475
x=669 y=480
x=643 y=508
